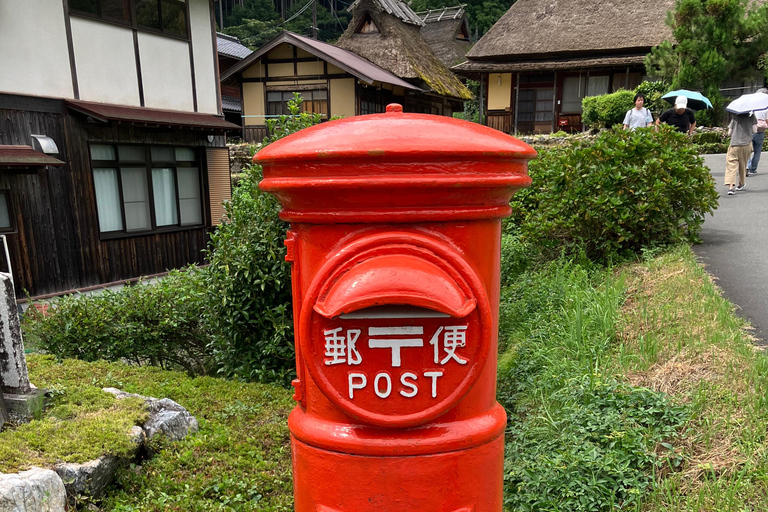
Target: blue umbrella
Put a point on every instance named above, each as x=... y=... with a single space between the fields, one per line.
x=748 y=103
x=696 y=100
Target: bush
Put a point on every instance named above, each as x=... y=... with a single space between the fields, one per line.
x=711 y=148
x=626 y=191
x=147 y=324
x=708 y=138
x=606 y=110
x=249 y=281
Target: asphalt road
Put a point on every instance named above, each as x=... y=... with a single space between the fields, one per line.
x=735 y=248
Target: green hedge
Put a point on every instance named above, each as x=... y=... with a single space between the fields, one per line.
x=606 y=110
x=626 y=191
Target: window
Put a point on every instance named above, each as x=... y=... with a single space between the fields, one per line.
x=6 y=225
x=597 y=85
x=165 y=16
x=573 y=92
x=146 y=188
x=314 y=102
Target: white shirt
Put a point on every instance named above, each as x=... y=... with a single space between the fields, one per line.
x=638 y=118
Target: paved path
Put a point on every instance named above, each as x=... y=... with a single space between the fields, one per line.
x=735 y=248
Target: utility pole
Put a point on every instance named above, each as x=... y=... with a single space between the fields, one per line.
x=221 y=15
x=314 y=19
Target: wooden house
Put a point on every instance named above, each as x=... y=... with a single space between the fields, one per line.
x=388 y=34
x=113 y=163
x=446 y=31
x=541 y=58
x=230 y=52
x=332 y=81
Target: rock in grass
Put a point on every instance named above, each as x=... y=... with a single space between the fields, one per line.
x=89 y=478
x=36 y=490
x=165 y=416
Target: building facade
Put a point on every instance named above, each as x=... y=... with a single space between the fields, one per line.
x=126 y=96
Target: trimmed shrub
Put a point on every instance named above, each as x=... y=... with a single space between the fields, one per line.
x=708 y=138
x=627 y=191
x=147 y=324
x=249 y=281
x=711 y=148
x=606 y=110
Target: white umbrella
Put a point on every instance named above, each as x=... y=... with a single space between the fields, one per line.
x=748 y=103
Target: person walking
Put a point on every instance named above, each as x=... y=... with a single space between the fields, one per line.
x=758 y=138
x=741 y=128
x=681 y=117
x=638 y=117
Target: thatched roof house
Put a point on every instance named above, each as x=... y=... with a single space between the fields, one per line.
x=446 y=31
x=544 y=56
x=387 y=33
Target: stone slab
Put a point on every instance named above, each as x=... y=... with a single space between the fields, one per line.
x=27 y=406
x=36 y=490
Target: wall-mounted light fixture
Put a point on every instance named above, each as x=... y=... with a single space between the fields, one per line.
x=44 y=144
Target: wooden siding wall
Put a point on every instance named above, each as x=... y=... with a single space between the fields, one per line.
x=255 y=134
x=56 y=246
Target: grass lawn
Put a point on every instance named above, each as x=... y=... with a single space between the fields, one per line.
x=628 y=389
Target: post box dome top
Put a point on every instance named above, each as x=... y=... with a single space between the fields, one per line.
x=396 y=136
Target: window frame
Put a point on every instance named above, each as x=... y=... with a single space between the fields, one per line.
x=11 y=218
x=148 y=165
x=284 y=103
x=133 y=22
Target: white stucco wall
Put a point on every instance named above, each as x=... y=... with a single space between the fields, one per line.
x=33 y=48
x=105 y=62
x=202 y=48
x=166 y=73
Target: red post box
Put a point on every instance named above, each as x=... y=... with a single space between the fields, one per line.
x=395 y=244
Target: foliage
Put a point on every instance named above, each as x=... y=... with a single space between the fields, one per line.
x=239 y=461
x=81 y=423
x=577 y=440
x=471 y=111
x=157 y=324
x=626 y=191
x=249 y=280
x=482 y=13
x=257 y=22
x=715 y=40
x=711 y=148
x=606 y=110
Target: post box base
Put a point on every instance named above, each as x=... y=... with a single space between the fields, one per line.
x=468 y=480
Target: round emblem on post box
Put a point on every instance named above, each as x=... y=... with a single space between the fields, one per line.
x=396 y=329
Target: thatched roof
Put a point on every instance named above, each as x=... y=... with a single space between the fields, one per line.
x=536 y=29
x=484 y=66
x=396 y=8
x=443 y=32
x=399 y=48
x=348 y=61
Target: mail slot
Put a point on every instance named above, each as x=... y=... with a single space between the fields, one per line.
x=395 y=247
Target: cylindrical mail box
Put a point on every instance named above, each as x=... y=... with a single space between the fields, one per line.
x=395 y=246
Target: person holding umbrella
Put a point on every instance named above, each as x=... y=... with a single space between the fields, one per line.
x=741 y=128
x=758 y=138
x=681 y=117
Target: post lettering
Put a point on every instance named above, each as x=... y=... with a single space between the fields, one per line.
x=433 y=376
x=376 y=387
x=360 y=384
x=408 y=384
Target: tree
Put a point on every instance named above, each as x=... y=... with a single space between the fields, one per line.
x=715 y=40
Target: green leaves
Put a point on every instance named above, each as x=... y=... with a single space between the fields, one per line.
x=612 y=198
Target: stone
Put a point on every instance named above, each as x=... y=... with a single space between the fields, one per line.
x=4 y=417
x=165 y=416
x=13 y=363
x=89 y=478
x=36 y=490
x=23 y=407
x=92 y=477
